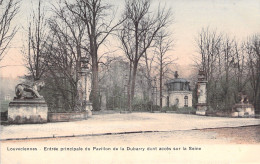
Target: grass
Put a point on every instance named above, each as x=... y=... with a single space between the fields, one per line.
x=186 y=110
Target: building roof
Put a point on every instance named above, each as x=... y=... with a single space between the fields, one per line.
x=177 y=80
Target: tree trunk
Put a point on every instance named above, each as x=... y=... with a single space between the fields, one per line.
x=95 y=89
x=133 y=84
x=149 y=86
x=257 y=91
x=161 y=76
x=129 y=88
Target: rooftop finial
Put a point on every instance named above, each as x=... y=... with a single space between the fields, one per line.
x=176 y=75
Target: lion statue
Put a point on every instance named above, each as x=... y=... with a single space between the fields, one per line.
x=243 y=98
x=21 y=89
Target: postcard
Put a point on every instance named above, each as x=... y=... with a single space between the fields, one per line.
x=129 y=81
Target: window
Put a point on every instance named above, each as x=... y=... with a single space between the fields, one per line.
x=186 y=101
x=176 y=102
x=168 y=101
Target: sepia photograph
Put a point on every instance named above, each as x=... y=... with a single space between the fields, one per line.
x=129 y=81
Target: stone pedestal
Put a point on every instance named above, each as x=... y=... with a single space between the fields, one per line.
x=89 y=108
x=22 y=111
x=234 y=114
x=241 y=114
x=201 y=109
x=243 y=110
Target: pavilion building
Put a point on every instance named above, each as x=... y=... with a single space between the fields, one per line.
x=178 y=93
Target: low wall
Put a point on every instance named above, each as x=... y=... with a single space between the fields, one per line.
x=231 y=114
x=65 y=117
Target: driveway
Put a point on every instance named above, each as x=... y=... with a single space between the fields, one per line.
x=122 y=123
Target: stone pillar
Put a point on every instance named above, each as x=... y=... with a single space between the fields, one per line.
x=85 y=85
x=202 y=94
x=88 y=104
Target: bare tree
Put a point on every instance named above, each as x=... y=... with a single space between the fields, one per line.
x=140 y=25
x=163 y=44
x=228 y=61
x=65 y=46
x=209 y=44
x=95 y=14
x=8 y=10
x=240 y=69
x=36 y=41
x=149 y=75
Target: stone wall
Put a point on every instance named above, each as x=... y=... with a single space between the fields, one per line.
x=65 y=117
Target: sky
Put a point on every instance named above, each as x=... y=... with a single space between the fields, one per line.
x=237 y=18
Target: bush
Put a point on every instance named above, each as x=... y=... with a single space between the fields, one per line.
x=117 y=109
x=171 y=108
x=166 y=108
x=141 y=107
x=174 y=108
x=155 y=108
x=145 y=106
x=186 y=110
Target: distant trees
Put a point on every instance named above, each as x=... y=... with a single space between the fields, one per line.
x=138 y=33
x=252 y=49
x=8 y=10
x=113 y=83
x=230 y=67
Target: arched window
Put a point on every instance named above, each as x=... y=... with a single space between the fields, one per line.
x=176 y=102
x=186 y=101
